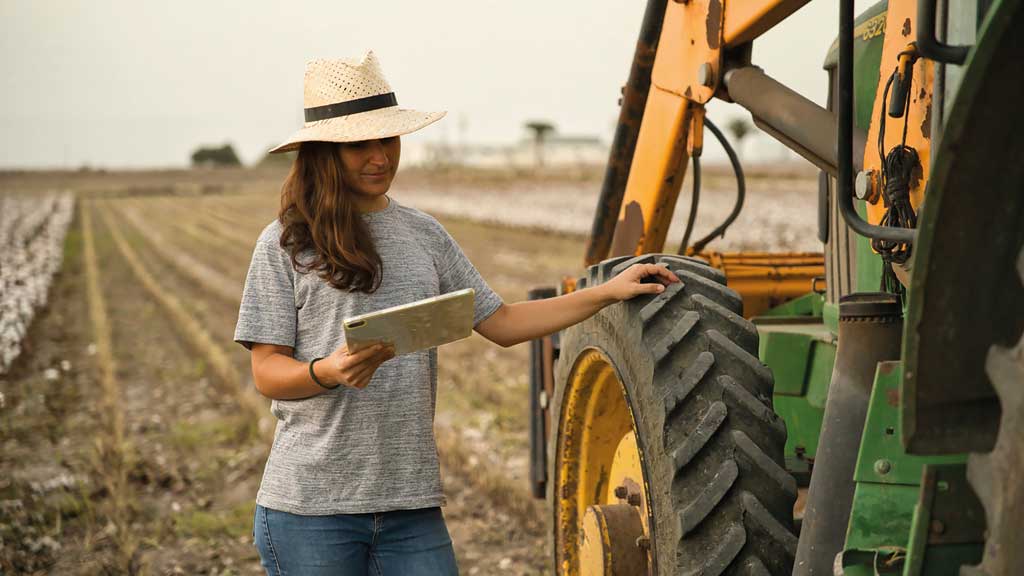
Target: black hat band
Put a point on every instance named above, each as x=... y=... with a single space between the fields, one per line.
x=351 y=107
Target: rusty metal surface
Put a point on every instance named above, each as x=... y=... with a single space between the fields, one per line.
x=629 y=230
x=634 y=99
x=956 y=515
x=541 y=380
x=609 y=545
x=800 y=124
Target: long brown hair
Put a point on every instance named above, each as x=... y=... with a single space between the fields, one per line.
x=317 y=213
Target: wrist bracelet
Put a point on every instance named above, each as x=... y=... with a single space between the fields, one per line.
x=317 y=380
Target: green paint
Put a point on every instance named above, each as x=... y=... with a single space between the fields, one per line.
x=887 y=514
x=800 y=350
x=803 y=424
x=867 y=66
x=830 y=316
x=918 y=541
x=881 y=516
x=869 y=264
x=809 y=304
x=788 y=354
x=881 y=449
x=867 y=54
x=820 y=374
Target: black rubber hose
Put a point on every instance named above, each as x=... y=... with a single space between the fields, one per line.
x=694 y=202
x=741 y=188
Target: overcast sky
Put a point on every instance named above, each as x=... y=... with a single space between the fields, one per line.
x=134 y=83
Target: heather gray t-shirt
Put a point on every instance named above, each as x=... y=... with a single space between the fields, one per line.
x=350 y=451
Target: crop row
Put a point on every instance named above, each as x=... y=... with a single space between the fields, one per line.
x=32 y=230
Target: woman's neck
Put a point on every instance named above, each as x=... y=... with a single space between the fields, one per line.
x=371 y=204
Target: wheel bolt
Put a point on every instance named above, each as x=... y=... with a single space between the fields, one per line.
x=621 y=492
x=634 y=499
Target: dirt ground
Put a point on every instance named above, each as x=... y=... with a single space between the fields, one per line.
x=132 y=438
x=158 y=475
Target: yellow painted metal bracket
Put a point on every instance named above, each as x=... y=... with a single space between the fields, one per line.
x=766 y=280
x=748 y=19
x=658 y=168
x=896 y=53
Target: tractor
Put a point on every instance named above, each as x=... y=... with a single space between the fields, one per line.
x=856 y=411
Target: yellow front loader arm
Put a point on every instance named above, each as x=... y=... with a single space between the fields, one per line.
x=696 y=38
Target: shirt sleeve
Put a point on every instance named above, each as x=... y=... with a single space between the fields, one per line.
x=267 y=314
x=456 y=272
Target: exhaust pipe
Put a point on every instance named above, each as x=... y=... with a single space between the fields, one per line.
x=870 y=331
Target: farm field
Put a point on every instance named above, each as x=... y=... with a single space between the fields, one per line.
x=145 y=452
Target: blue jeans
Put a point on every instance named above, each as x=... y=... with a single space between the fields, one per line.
x=401 y=542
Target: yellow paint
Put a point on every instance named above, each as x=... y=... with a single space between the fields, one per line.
x=659 y=158
x=596 y=443
x=899 y=31
x=684 y=46
x=626 y=469
x=748 y=19
x=765 y=280
x=595 y=545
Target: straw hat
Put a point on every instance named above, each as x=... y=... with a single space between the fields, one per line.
x=348 y=101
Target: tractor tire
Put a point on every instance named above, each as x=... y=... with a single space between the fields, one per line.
x=996 y=476
x=718 y=499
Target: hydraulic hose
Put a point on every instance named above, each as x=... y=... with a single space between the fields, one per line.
x=741 y=188
x=694 y=202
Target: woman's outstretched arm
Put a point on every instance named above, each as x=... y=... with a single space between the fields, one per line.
x=522 y=321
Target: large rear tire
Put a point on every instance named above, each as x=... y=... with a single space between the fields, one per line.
x=996 y=475
x=715 y=496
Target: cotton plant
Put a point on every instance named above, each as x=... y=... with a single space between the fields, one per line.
x=32 y=231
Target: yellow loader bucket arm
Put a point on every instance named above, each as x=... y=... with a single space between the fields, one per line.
x=694 y=40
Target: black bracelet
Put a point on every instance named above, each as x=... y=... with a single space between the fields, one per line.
x=317 y=380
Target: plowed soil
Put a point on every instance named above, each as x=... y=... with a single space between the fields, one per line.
x=155 y=470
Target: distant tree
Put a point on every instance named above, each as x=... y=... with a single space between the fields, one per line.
x=740 y=128
x=215 y=156
x=284 y=159
x=540 y=129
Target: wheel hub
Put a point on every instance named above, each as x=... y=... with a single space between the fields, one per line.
x=603 y=508
x=612 y=541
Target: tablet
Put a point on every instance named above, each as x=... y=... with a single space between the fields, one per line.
x=414 y=326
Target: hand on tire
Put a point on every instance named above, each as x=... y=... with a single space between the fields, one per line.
x=629 y=282
x=356 y=369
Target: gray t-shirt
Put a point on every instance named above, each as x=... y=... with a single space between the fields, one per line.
x=350 y=451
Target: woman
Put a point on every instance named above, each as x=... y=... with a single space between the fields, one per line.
x=352 y=484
